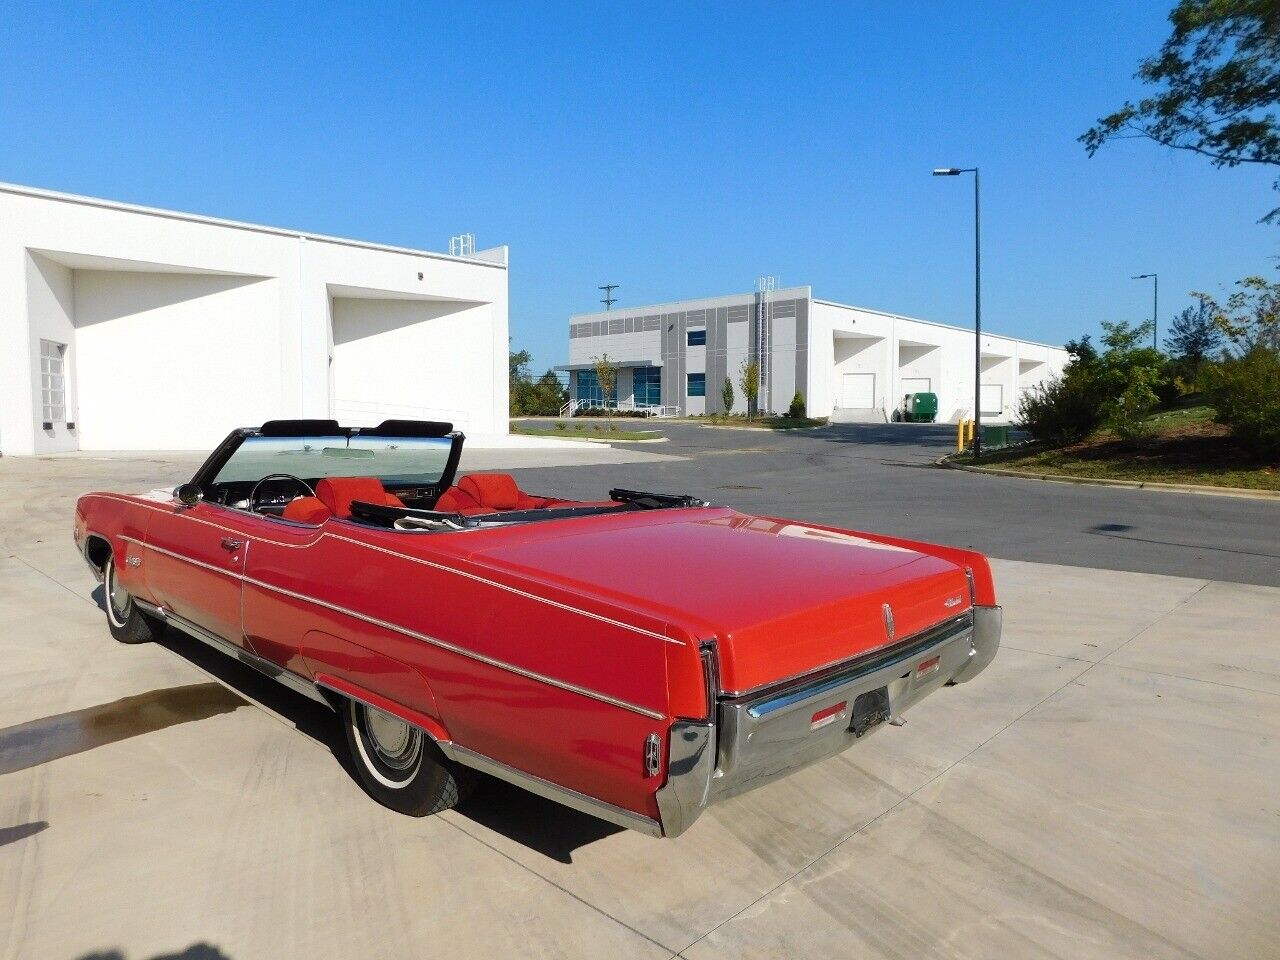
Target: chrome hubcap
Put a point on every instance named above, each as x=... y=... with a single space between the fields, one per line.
x=395 y=742
x=117 y=595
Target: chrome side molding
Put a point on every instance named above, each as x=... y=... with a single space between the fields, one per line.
x=265 y=667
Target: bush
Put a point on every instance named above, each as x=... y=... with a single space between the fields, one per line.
x=1062 y=409
x=1127 y=413
x=726 y=394
x=796 y=410
x=609 y=412
x=1247 y=396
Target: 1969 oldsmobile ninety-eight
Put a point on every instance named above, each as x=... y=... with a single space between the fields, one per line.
x=637 y=658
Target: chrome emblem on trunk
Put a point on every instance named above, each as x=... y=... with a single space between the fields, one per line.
x=888 y=621
x=952 y=602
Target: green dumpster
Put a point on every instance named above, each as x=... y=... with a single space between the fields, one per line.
x=922 y=407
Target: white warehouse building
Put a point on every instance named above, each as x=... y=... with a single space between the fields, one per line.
x=130 y=328
x=850 y=363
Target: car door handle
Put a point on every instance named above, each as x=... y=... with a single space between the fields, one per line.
x=232 y=544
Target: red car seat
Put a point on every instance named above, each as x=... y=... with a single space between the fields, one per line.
x=334 y=496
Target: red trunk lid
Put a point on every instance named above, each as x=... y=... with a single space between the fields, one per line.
x=782 y=598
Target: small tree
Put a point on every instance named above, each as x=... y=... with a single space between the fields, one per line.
x=796 y=410
x=521 y=383
x=749 y=380
x=607 y=376
x=1250 y=316
x=726 y=394
x=1193 y=336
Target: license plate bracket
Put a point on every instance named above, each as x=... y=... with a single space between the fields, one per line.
x=869 y=710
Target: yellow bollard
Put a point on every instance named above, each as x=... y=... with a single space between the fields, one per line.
x=960 y=435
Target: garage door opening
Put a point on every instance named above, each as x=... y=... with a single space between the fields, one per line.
x=449 y=358
x=125 y=383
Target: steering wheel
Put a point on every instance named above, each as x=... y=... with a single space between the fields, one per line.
x=252 y=502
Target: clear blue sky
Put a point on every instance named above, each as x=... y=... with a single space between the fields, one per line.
x=678 y=150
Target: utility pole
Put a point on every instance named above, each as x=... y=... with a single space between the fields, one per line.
x=609 y=299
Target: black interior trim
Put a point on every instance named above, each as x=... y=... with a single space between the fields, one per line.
x=300 y=428
x=409 y=428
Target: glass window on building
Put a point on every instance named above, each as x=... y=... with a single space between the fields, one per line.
x=587 y=386
x=53 y=391
x=697 y=338
x=697 y=385
x=648 y=386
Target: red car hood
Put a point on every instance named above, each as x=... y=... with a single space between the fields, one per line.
x=782 y=598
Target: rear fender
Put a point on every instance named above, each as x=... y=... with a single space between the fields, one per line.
x=350 y=670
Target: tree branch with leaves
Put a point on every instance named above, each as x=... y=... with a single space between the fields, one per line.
x=1218 y=76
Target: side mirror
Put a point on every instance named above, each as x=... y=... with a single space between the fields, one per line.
x=188 y=494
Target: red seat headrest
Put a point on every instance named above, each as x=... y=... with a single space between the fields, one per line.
x=336 y=493
x=495 y=490
x=306 y=510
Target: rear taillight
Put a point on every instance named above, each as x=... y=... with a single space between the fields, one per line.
x=710 y=678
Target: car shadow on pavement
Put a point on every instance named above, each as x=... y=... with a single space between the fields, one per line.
x=197 y=951
x=542 y=825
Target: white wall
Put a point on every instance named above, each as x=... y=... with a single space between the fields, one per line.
x=179 y=327
x=848 y=339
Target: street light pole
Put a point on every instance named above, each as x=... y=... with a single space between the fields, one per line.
x=977 y=299
x=1155 y=303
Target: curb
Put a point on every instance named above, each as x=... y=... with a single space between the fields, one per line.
x=607 y=440
x=726 y=426
x=1208 y=491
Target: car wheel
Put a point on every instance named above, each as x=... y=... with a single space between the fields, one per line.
x=125 y=620
x=399 y=765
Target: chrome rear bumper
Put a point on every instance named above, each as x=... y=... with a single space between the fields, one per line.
x=766 y=735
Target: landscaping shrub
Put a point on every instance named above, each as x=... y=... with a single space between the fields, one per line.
x=1246 y=393
x=796 y=410
x=1062 y=409
x=607 y=412
x=726 y=394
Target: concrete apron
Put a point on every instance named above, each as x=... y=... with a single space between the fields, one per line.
x=1105 y=789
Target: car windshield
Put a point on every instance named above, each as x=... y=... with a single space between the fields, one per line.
x=393 y=460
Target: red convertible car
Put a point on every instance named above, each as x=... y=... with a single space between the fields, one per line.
x=637 y=658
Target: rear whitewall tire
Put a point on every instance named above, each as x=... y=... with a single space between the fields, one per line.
x=399 y=765
x=125 y=620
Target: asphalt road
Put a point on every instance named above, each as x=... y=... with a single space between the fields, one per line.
x=882 y=479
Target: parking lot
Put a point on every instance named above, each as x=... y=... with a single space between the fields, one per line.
x=1108 y=788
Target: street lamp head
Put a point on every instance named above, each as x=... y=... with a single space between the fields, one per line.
x=947 y=171
x=1143 y=276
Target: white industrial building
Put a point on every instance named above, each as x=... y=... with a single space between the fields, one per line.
x=850 y=363
x=129 y=328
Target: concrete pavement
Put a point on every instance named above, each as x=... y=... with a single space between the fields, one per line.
x=1105 y=789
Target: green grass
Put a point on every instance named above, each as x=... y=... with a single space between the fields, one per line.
x=762 y=423
x=584 y=431
x=1184 y=446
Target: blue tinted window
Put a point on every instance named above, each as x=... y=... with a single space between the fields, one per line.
x=588 y=385
x=648 y=386
x=697 y=384
x=697 y=338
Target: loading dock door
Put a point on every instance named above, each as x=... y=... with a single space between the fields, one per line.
x=858 y=391
x=914 y=385
x=992 y=398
